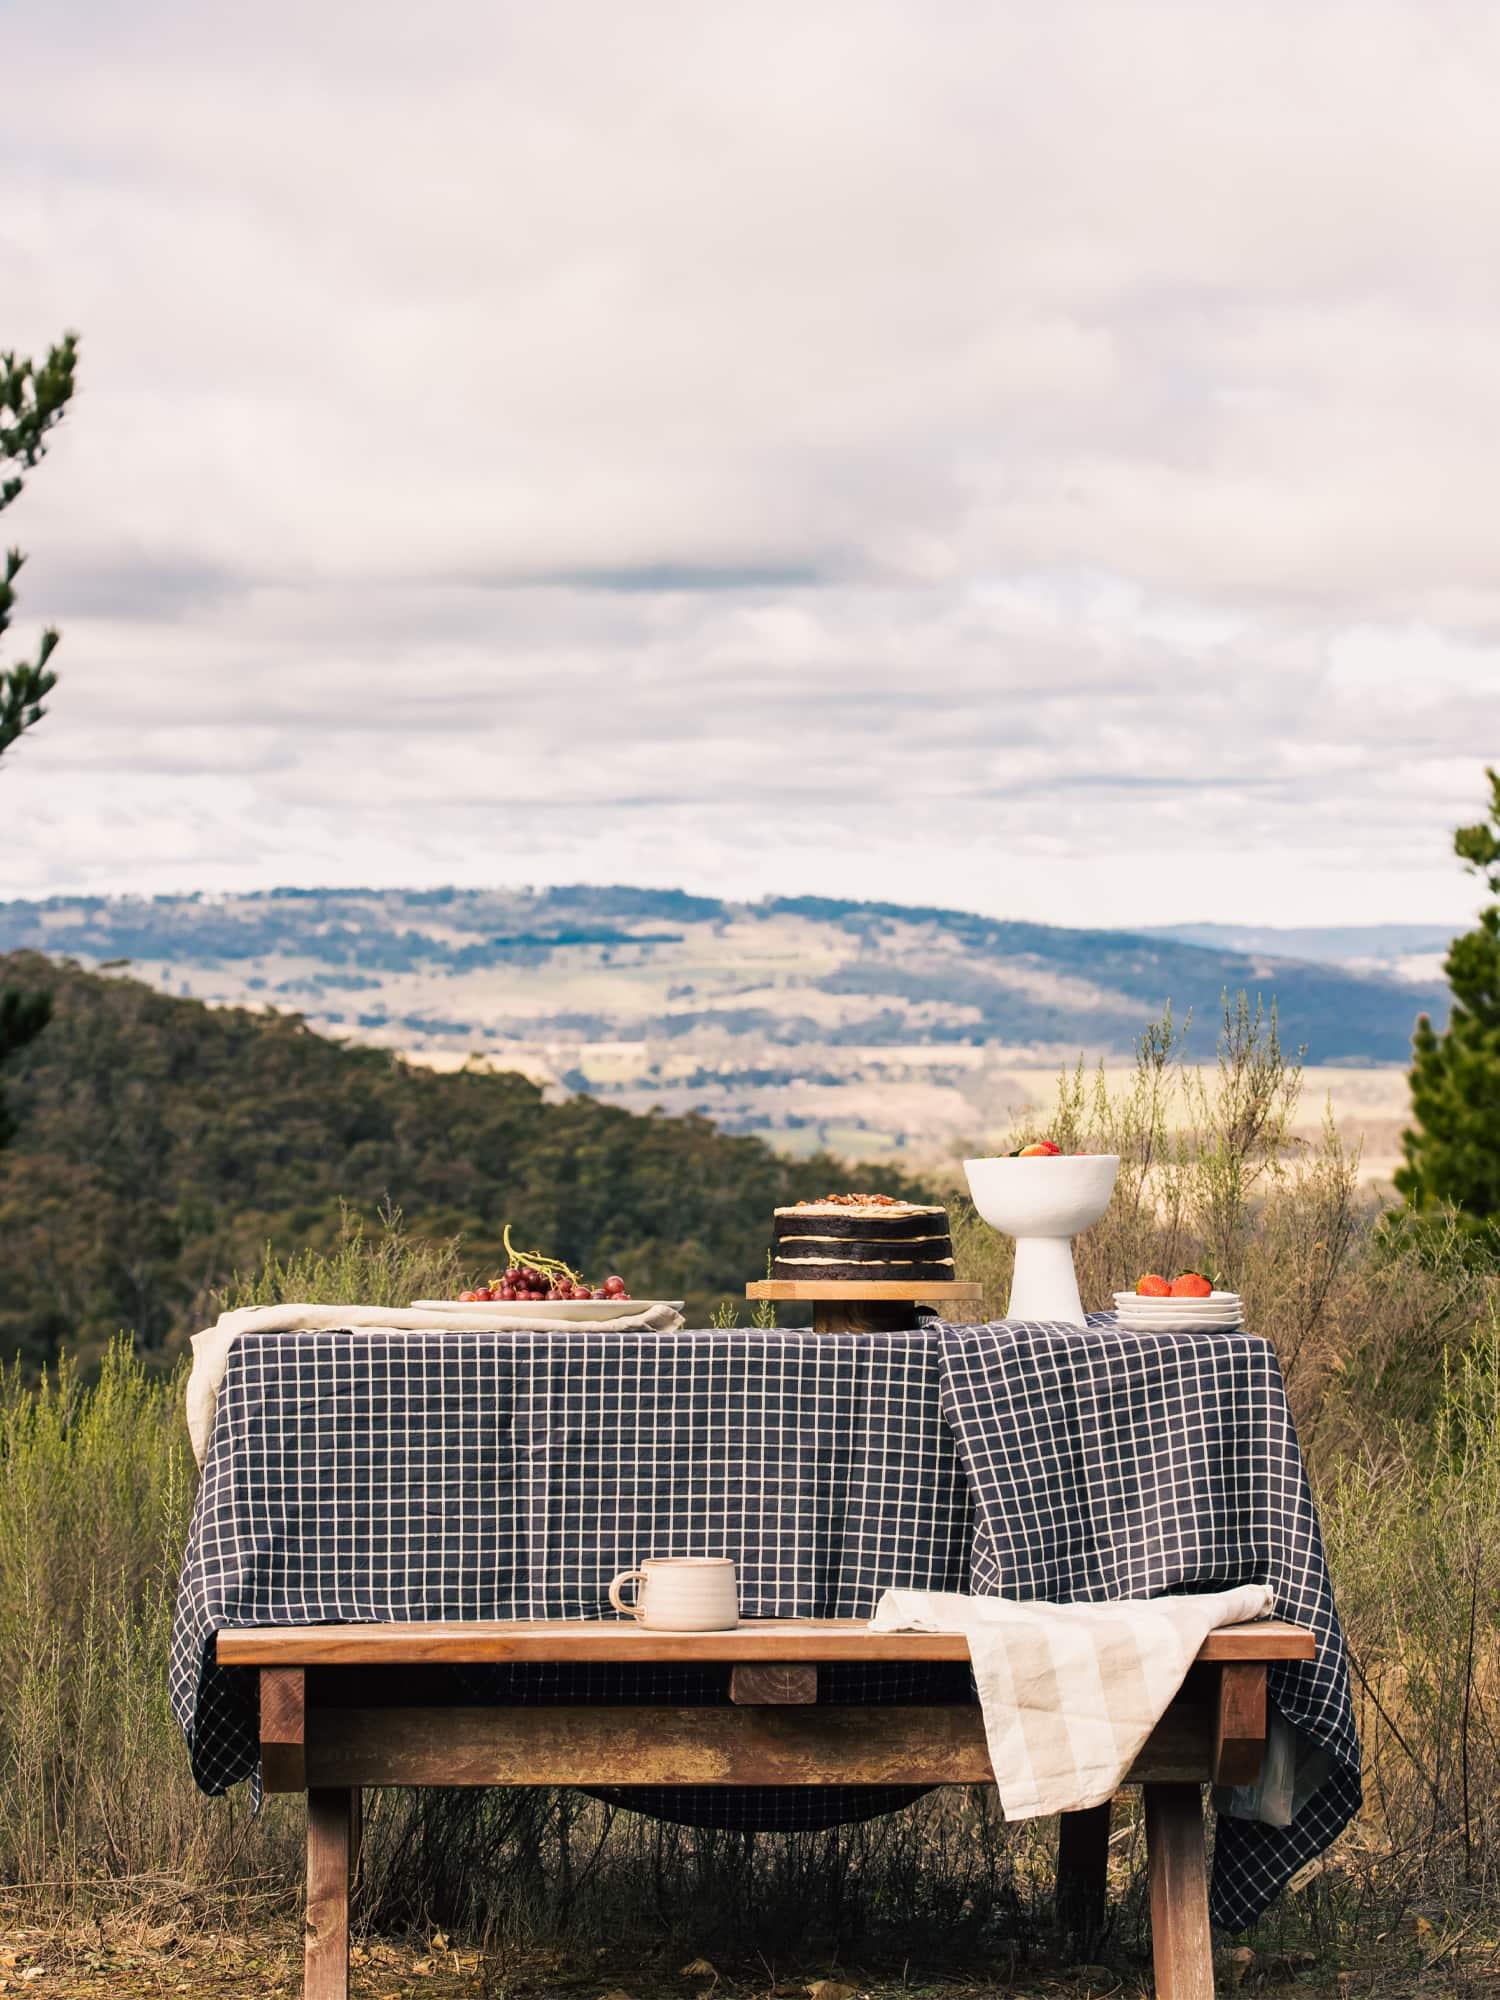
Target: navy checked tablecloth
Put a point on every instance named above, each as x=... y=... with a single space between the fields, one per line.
x=365 y=1476
x=1104 y=1465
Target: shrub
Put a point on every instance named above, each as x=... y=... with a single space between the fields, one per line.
x=96 y=1487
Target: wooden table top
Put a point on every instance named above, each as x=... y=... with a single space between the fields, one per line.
x=560 y=1640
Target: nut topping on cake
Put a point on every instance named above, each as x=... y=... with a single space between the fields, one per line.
x=854 y=1201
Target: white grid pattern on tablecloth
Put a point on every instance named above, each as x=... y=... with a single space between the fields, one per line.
x=1105 y=1465
x=367 y=1476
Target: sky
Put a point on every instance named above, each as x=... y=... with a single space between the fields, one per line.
x=1039 y=458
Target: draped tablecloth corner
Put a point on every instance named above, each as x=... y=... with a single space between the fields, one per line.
x=1105 y=1464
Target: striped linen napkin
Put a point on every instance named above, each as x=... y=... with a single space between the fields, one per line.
x=1070 y=1692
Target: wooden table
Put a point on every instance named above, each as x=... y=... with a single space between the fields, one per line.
x=328 y=1728
x=878 y=1306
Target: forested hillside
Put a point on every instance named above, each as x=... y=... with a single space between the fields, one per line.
x=160 y=1142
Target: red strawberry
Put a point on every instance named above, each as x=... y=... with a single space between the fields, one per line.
x=1153 y=1286
x=1191 y=1285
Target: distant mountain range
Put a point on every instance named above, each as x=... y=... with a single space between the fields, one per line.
x=861 y=1027
x=1402 y=951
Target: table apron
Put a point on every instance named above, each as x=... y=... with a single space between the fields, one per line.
x=316 y=1731
x=691 y=1746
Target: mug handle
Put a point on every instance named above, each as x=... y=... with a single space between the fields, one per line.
x=615 y=1590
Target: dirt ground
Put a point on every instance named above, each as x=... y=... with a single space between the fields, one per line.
x=119 y=1958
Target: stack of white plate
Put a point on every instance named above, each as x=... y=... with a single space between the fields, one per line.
x=1217 y=1312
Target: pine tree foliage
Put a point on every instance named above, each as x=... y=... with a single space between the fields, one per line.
x=32 y=400
x=1453 y=1151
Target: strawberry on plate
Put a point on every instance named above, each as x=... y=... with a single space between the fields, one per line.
x=1191 y=1285
x=1153 y=1286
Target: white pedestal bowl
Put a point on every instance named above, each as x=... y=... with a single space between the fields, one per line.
x=1044 y=1202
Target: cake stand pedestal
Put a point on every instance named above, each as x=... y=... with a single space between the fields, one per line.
x=879 y=1306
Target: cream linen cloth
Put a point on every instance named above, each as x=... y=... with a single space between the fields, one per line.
x=1070 y=1692
x=211 y=1347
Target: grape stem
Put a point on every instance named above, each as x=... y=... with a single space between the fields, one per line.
x=535 y=1261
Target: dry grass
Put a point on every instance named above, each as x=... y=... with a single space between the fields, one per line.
x=151 y=1954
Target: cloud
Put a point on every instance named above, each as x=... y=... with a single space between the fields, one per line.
x=1044 y=450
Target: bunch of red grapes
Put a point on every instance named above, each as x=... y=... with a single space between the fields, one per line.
x=525 y=1281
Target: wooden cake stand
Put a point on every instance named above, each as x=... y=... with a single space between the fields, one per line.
x=876 y=1307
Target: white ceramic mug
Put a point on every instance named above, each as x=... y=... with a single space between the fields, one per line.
x=681 y=1594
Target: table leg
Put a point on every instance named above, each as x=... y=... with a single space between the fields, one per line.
x=329 y=1853
x=1181 y=1942
x=356 y=1840
x=1240 y=1723
x=1082 y=1877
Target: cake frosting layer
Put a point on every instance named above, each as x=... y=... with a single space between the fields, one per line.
x=867 y=1250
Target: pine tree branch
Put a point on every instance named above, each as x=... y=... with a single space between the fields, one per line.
x=1478 y=847
x=33 y=400
x=23 y=689
x=1452 y=1151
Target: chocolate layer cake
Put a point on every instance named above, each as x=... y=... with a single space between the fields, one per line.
x=869 y=1238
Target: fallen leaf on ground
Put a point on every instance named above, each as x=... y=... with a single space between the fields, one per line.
x=1235 y=1965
